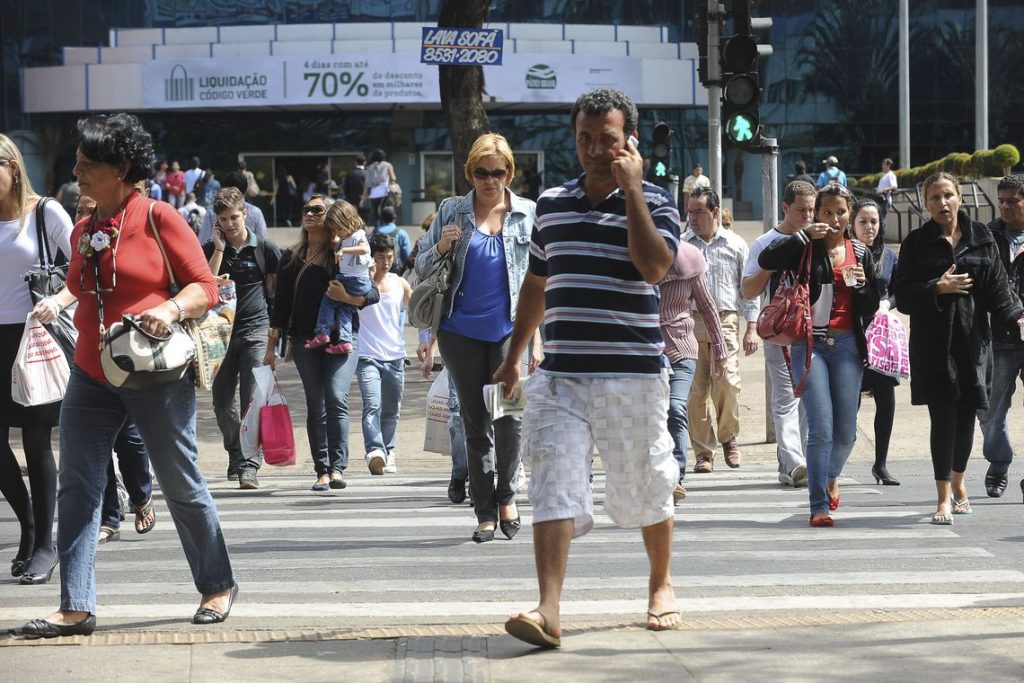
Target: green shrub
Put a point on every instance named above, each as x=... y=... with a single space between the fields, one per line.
x=1006 y=157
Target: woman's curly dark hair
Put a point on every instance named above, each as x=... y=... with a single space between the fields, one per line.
x=116 y=139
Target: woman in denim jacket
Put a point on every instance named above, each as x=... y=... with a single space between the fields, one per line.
x=490 y=231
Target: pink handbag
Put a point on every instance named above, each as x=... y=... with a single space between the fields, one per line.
x=276 y=435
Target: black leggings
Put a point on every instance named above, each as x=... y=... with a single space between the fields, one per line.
x=885 y=411
x=35 y=513
x=952 y=435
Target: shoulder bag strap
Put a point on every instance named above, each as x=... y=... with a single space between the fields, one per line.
x=45 y=259
x=295 y=287
x=803 y=280
x=163 y=252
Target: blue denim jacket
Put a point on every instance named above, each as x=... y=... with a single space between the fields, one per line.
x=516 y=235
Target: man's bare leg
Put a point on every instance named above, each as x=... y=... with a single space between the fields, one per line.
x=551 y=554
x=661 y=596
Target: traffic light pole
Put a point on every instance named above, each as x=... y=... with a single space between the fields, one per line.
x=770 y=218
x=715 y=167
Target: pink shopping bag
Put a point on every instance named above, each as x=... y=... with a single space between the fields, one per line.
x=276 y=435
x=888 y=348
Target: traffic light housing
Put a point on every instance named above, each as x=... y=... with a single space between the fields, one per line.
x=661 y=149
x=741 y=91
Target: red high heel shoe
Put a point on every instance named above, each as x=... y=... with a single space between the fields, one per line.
x=833 y=503
x=822 y=521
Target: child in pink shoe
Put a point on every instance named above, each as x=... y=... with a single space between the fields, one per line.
x=353 y=258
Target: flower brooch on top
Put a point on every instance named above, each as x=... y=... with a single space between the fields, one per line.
x=100 y=238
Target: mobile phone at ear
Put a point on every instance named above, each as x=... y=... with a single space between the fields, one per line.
x=634 y=141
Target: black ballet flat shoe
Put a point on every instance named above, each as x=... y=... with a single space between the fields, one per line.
x=483 y=536
x=510 y=527
x=882 y=476
x=1022 y=486
x=40 y=628
x=37 y=579
x=18 y=566
x=205 y=615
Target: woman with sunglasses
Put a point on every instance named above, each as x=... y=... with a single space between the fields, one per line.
x=117 y=268
x=305 y=273
x=489 y=230
x=844 y=298
x=19 y=252
x=950 y=279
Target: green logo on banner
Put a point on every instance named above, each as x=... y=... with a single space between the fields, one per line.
x=541 y=77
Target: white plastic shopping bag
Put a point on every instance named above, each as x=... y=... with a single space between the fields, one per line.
x=40 y=373
x=435 y=436
x=249 y=433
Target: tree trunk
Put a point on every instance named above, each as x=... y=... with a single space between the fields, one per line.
x=462 y=88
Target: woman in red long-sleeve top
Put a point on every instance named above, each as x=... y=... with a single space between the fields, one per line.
x=116 y=246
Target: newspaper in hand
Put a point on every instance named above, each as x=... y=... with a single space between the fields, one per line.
x=499 y=406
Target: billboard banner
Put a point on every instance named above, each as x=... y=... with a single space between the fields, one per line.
x=288 y=81
x=297 y=81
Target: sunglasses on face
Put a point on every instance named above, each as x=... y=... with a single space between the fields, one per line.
x=497 y=173
x=313 y=210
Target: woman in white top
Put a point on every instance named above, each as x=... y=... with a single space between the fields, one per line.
x=381 y=368
x=379 y=176
x=19 y=253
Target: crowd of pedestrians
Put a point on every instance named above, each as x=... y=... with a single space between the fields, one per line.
x=626 y=321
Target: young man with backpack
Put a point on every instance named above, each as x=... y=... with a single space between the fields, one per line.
x=250 y=261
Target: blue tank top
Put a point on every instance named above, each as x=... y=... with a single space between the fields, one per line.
x=482 y=304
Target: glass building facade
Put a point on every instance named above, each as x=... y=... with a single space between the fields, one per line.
x=829 y=88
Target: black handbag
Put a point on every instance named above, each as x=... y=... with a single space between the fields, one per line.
x=49 y=279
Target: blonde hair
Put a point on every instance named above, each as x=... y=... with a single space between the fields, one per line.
x=489 y=145
x=21 y=188
x=342 y=217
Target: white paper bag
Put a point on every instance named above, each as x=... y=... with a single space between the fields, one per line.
x=40 y=372
x=249 y=432
x=435 y=436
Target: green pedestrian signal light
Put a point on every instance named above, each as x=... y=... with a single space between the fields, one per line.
x=741 y=127
x=660 y=169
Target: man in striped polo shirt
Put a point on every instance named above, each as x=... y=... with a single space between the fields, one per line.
x=600 y=243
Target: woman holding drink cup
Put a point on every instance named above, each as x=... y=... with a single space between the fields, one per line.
x=844 y=299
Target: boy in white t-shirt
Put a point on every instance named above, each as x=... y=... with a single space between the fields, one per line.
x=353 y=254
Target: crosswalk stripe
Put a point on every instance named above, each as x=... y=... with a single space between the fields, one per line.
x=499 y=610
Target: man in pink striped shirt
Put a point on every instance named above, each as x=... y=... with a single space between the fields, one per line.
x=686 y=285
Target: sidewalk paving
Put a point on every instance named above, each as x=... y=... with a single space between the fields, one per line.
x=965 y=647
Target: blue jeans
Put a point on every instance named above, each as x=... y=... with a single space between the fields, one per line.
x=830 y=399
x=678 y=392
x=325 y=382
x=90 y=418
x=133 y=461
x=457 y=434
x=380 y=385
x=245 y=353
x=1008 y=363
x=337 y=314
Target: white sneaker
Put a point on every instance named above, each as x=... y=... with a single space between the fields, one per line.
x=376 y=460
x=389 y=464
x=796 y=478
